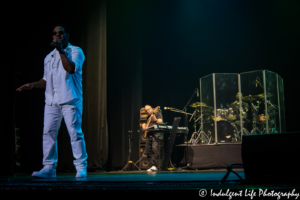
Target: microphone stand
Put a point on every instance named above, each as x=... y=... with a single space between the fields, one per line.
x=129 y=161
x=179 y=111
x=186 y=117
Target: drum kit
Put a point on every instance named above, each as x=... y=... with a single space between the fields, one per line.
x=228 y=121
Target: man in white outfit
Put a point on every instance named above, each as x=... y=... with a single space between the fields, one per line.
x=63 y=97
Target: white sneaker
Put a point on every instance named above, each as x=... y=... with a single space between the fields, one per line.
x=82 y=173
x=153 y=168
x=47 y=172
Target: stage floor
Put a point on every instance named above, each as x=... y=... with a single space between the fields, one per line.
x=141 y=183
x=138 y=176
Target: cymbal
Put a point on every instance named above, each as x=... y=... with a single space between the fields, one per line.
x=249 y=98
x=262 y=96
x=197 y=104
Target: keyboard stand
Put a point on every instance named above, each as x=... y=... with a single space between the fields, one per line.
x=170 y=144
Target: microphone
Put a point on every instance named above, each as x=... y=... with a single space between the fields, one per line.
x=197 y=92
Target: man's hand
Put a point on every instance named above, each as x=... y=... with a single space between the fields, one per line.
x=68 y=65
x=58 y=44
x=156 y=120
x=27 y=86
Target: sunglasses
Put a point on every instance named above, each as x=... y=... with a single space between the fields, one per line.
x=59 y=32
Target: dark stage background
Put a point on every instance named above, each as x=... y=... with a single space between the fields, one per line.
x=156 y=53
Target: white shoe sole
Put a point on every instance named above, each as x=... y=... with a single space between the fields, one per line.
x=39 y=175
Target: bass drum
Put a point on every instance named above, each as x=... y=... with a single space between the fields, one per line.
x=225 y=131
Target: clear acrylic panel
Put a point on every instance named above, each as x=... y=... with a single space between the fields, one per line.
x=206 y=110
x=271 y=102
x=281 y=107
x=227 y=107
x=235 y=104
x=252 y=86
x=220 y=119
x=263 y=91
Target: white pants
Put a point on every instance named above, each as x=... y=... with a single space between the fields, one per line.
x=72 y=114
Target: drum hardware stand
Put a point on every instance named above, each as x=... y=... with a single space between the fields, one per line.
x=129 y=160
x=275 y=108
x=254 y=119
x=195 y=125
x=193 y=137
x=198 y=135
x=193 y=115
x=236 y=132
x=272 y=105
x=202 y=134
x=239 y=132
x=245 y=131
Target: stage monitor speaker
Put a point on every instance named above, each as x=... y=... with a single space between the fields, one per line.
x=270 y=158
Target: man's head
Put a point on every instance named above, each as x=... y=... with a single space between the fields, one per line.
x=61 y=32
x=148 y=109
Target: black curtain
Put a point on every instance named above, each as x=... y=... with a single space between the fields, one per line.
x=124 y=75
x=28 y=61
x=7 y=135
